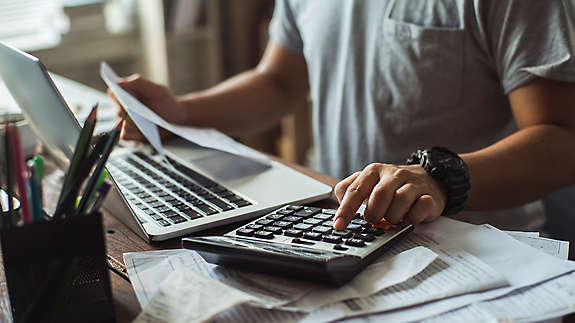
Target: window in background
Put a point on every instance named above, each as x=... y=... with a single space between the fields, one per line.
x=32 y=24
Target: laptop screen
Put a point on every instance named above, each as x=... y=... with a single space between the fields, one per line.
x=40 y=101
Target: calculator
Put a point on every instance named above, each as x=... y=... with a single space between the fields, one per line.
x=299 y=242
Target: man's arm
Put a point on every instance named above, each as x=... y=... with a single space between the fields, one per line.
x=522 y=167
x=535 y=160
x=245 y=103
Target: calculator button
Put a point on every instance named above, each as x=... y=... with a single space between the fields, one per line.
x=274 y=217
x=374 y=231
x=344 y=234
x=322 y=229
x=302 y=226
x=328 y=211
x=285 y=212
x=353 y=227
x=263 y=235
x=361 y=222
x=333 y=239
x=340 y=247
x=192 y=214
x=264 y=221
x=355 y=242
x=293 y=233
x=245 y=232
x=169 y=213
x=292 y=218
x=328 y=223
x=156 y=216
x=364 y=236
x=307 y=212
x=282 y=224
x=177 y=219
x=312 y=236
x=273 y=229
x=312 y=221
x=322 y=216
x=299 y=241
x=254 y=226
x=163 y=223
x=294 y=207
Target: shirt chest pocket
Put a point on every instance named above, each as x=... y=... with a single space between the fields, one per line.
x=419 y=71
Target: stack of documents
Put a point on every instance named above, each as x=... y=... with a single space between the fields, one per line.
x=446 y=270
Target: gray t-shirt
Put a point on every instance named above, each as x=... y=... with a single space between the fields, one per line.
x=388 y=77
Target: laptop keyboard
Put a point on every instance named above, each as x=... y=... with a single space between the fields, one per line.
x=170 y=197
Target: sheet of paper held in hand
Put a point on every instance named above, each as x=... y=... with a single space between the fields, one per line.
x=147 y=121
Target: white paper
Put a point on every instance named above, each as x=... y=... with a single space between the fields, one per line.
x=556 y=248
x=148 y=269
x=522 y=265
x=131 y=104
x=523 y=233
x=548 y=300
x=392 y=269
x=206 y=137
x=456 y=272
x=185 y=296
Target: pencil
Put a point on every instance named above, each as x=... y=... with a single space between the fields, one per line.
x=70 y=196
x=82 y=147
x=34 y=186
x=89 y=190
x=20 y=170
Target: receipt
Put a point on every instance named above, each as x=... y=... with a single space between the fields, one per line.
x=147 y=121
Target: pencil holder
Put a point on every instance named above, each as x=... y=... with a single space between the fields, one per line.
x=56 y=271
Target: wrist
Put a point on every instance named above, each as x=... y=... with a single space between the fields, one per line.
x=450 y=171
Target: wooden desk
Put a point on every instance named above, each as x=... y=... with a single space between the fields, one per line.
x=121 y=239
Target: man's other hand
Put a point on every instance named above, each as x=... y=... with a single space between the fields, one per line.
x=394 y=193
x=156 y=97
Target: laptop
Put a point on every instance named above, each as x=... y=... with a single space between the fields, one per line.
x=205 y=188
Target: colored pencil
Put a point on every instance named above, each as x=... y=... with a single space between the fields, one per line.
x=71 y=195
x=20 y=170
x=89 y=189
x=82 y=147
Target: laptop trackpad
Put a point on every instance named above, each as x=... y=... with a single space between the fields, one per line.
x=227 y=167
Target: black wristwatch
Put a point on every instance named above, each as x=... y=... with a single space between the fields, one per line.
x=448 y=168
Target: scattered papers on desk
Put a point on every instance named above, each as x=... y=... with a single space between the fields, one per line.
x=148 y=269
x=544 y=301
x=557 y=248
x=540 y=285
x=147 y=121
x=186 y=296
x=521 y=264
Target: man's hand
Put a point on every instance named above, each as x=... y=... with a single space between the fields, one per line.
x=157 y=97
x=394 y=193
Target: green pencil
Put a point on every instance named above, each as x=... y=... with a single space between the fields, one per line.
x=82 y=148
x=89 y=190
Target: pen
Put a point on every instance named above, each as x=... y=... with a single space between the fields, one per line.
x=102 y=193
x=34 y=187
x=20 y=170
x=82 y=147
x=88 y=191
x=39 y=166
x=70 y=196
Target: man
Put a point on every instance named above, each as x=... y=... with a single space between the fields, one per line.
x=492 y=80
